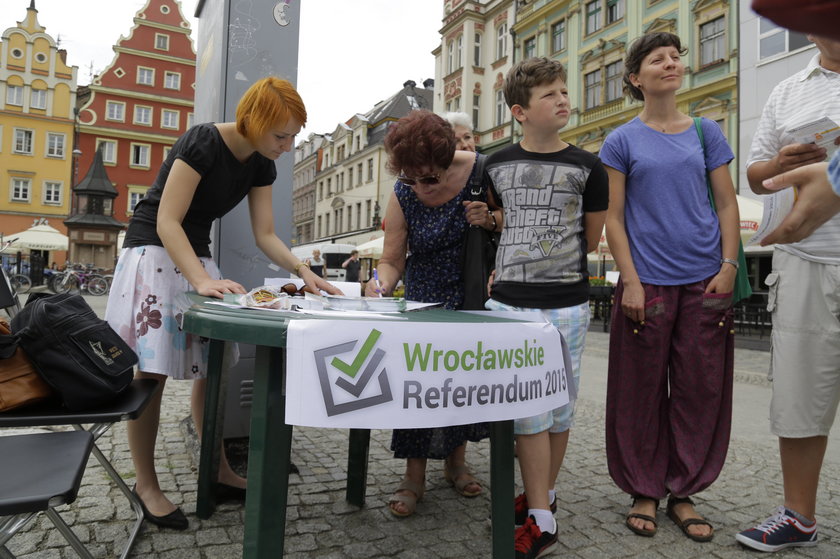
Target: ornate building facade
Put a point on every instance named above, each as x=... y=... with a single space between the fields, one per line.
x=141 y=103
x=37 y=96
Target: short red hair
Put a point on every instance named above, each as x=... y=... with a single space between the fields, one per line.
x=417 y=141
x=269 y=102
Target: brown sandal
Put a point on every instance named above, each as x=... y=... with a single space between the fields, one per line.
x=646 y=517
x=461 y=477
x=410 y=501
x=684 y=524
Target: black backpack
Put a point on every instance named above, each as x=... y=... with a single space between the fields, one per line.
x=76 y=353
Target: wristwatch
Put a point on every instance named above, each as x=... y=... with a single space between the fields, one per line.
x=729 y=261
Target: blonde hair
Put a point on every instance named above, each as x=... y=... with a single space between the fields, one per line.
x=269 y=102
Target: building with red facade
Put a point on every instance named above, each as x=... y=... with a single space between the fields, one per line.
x=135 y=110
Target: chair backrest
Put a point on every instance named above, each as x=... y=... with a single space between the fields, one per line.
x=8 y=300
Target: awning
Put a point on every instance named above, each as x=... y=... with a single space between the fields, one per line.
x=39 y=237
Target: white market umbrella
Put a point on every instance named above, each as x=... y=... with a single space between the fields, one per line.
x=750 y=212
x=39 y=237
x=371 y=249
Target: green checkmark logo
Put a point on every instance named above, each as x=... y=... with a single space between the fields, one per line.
x=353 y=368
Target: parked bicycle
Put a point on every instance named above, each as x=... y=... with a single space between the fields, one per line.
x=9 y=300
x=78 y=280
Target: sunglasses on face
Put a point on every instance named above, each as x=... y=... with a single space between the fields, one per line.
x=411 y=181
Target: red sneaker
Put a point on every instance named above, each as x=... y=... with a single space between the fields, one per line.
x=520 y=509
x=530 y=542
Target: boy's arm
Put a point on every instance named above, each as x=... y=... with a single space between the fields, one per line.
x=593 y=225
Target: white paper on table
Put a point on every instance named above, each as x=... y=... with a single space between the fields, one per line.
x=776 y=208
x=822 y=132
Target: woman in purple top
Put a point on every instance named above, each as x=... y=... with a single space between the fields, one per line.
x=669 y=391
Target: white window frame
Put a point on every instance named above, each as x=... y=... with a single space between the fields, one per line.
x=529 y=47
x=614 y=83
x=158 y=45
x=143 y=109
x=38 y=99
x=55 y=145
x=561 y=25
x=135 y=194
x=477 y=50
x=450 y=57
x=717 y=42
x=118 y=107
x=26 y=135
x=111 y=149
x=459 y=52
x=14 y=95
x=592 y=87
x=190 y=119
x=168 y=114
x=143 y=71
x=56 y=187
x=144 y=149
x=501 y=41
x=767 y=30
x=614 y=11
x=501 y=107
x=170 y=76
x=593 y=17
x=20 y=189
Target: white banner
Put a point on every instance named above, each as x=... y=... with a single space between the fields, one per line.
x=371 y=374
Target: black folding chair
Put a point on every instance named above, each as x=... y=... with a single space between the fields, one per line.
x=9 y=301
x=39 y=472
x=128 y=405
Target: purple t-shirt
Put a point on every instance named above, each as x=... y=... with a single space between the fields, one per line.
x=674 y=234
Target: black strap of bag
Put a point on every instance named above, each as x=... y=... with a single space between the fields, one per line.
x=479 y=250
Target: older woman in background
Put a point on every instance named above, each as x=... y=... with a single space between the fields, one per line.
x=463 y=128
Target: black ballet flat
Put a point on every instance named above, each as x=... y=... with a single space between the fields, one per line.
x=176 y=519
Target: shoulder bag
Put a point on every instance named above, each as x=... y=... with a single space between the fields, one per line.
x=742 y=281
x=20 y=383
x=478 y=256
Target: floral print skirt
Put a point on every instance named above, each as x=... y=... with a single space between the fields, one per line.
x=147 y=302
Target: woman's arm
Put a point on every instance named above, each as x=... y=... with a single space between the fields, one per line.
x=262 y=224
x=392 y=264
x=175 y=201
x=730 y=229
x=633 y=300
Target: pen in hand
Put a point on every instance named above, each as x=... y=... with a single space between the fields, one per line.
x=376 y=280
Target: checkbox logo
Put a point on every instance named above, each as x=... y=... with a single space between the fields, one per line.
x=352 y=379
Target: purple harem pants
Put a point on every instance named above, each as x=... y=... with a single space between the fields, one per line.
x=669 y=391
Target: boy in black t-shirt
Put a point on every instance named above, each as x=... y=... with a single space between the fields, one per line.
x=554 y=198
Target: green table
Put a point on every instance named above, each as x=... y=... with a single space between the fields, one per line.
x=270 y=443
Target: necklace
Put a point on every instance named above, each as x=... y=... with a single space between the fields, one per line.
x=658 y=127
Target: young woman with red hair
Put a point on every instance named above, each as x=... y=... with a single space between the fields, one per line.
x=166 y=253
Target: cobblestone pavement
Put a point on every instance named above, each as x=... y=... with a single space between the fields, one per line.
x=321 y=525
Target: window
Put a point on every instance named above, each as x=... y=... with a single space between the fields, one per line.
x=169 y=119
x=55 y=144
x=172 y=80
x=189 y=120
x=358 y=215
x=477 y=50
x=23 y=141
x=712 y=41
x=359 y=175
x=775 y=40
x=134 y=197
x=14 y=95
x=349 y=218
x=476 y=100
x=350 y=178
x=368 y=215
x=501 y=108
x=501 y=41
x=109 y=150
x=370 y=170
x=450 y=57
x=115 y=111
x=139 y=155
x=558 y=36
x=142 y=115
x=52 y=193
x=615 y=10
x=459 y=52
x=166 y=150
x=39 y=99
x=161 y=41
x=615 y=74
x=21 y=189
x=145 y=76
x=529 y=49
x=593 y=16
x=592 y=89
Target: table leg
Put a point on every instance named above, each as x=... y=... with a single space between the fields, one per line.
x=269 y=453
x=213 y=430
x=501 y=481
x=357 y=466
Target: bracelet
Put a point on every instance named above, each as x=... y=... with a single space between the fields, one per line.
x=729 y=261
x=493 y=217
x=297 y=267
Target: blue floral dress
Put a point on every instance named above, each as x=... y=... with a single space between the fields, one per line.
x=433 y=275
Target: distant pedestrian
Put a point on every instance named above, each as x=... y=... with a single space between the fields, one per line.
x=352 y=265
x=316 y=263
x=166 y=253
x=669 y=388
